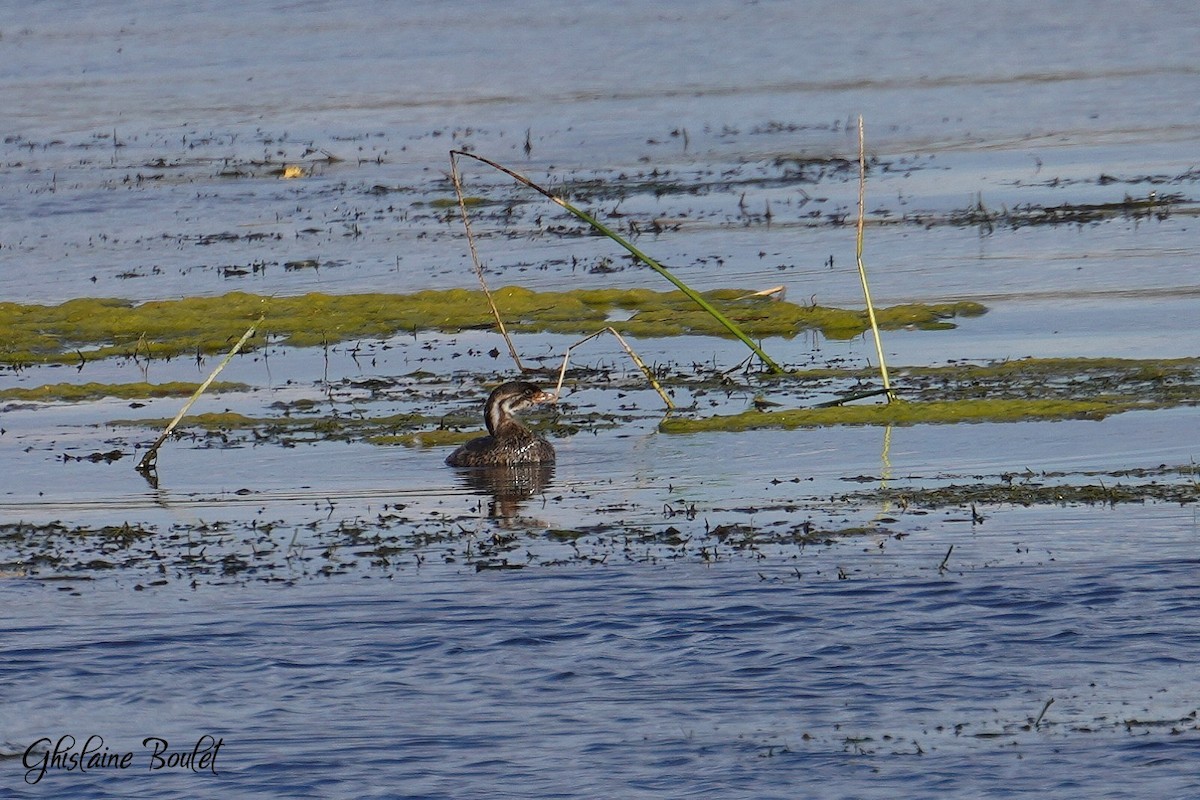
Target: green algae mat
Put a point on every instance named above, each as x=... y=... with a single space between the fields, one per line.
x=1003 y=391
x=87 y=329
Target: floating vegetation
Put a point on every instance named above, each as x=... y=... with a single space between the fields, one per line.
x=1151 y=382
x=289 y=431
x=901 y=412
x=1165 y=484
x=1026 y=494
x=424 y=439
x=90 y=329
x=85 y=392
x=270 y=550
x=1004 y=391
x=396 y=536
x=1027 y=214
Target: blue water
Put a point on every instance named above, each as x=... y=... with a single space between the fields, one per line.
x=734 y=679
x=140 y=157
x=142 y=143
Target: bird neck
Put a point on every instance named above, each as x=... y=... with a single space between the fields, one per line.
x=497 y=415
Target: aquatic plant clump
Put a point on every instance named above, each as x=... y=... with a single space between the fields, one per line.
x=85 y=392
x=900 y=412
x=1003 y=391
x=89 y=329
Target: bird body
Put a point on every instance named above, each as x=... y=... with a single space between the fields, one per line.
x=508 y=441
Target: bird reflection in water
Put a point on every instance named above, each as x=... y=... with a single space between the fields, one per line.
x=509 y=485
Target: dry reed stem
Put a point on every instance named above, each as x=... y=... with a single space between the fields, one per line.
x=462 y=208
x=562 y=372
x=150 y=459
x=691 y=293
x=858 y=251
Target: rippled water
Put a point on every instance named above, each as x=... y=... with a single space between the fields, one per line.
x=758 y=680
x=140 y=158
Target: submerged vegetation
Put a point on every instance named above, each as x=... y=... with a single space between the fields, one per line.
x=87 y=329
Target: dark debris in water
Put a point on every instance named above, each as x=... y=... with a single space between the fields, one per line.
x=1152 y=206
x=227 y=552
x=1172 y=485
x=503 y=535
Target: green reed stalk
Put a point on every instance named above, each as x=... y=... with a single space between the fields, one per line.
x=691 y=293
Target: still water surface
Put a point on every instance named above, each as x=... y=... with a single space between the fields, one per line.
x=141 y=149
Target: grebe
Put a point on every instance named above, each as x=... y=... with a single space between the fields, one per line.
x=508 y=441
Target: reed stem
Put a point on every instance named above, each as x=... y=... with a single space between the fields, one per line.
x=475 y=262
x=691 y=293
x=150 y=459
x=858 y=255
x=649 y=373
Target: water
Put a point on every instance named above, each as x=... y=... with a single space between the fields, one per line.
x=316 y=604
x=682 y=680
x=149 y=139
